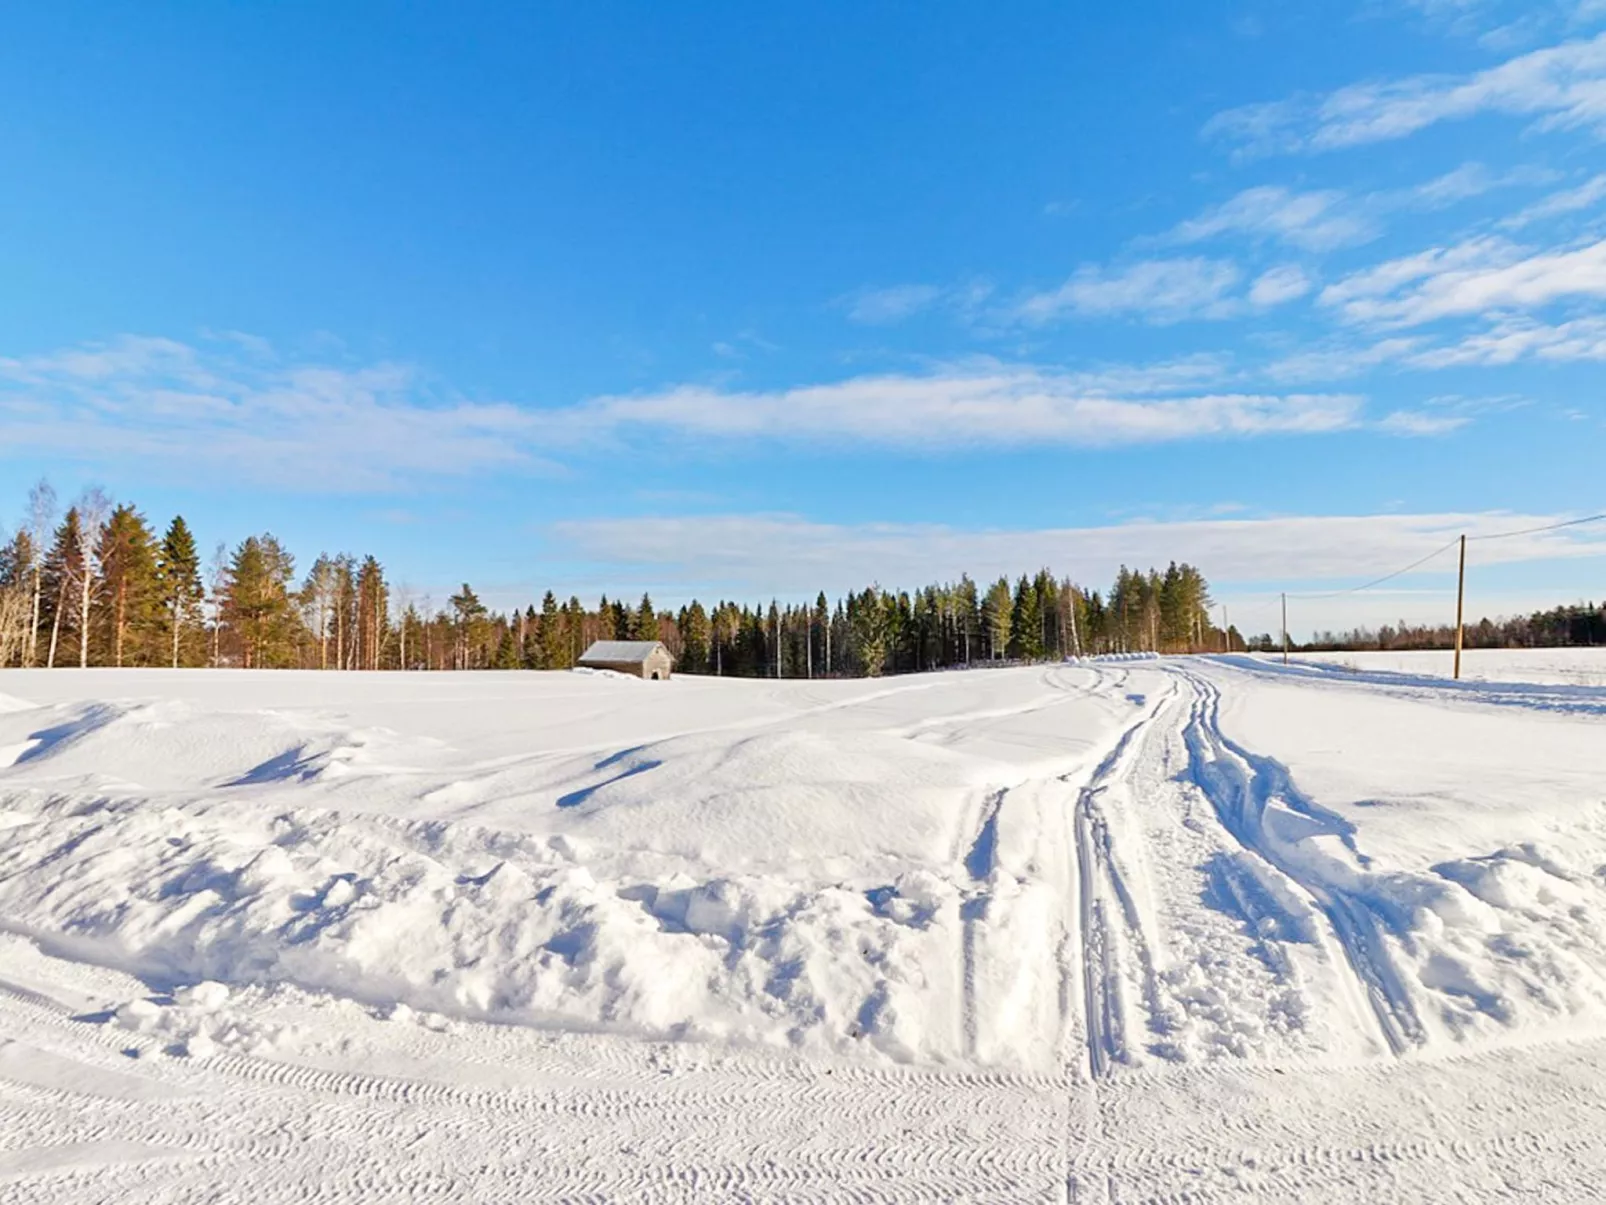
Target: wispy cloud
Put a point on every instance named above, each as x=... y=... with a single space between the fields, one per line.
x=790 y=554
x=1587 y=195
x=1518 y=339
x=1421 y=422
x=996 y=406
x=1154 y=290
x=210 y=412
x=876 y=307
x=1321 y=220
x=1561 y=86
x=1313 y=221
x=1478 y=277
x=1279 y=285
x=204 y=412
x=898 y=303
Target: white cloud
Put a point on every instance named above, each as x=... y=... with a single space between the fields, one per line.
x=1315 y=221
x=1561 y=86
x=884 y=307
x=789 y=555
x=206 y=412
x=1156 y=290
x=993 y=406
x=1330 y=362
x=876 y=307
x=1570 y=200
x=1421 y=422
x=1517 y=339
x=1477 y=277
x=1284 y=283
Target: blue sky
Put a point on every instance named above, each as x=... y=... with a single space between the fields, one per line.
x=726 y=299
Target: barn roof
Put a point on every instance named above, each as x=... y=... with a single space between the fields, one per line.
x=621 y=650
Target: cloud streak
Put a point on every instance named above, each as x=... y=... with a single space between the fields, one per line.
x=792 y=555
x=1155 y=290
x=207 y=413
x=1559 y=87
x=994 y=406
x=1477 y=277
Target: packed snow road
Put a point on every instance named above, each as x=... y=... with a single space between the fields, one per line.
x=1127 y=930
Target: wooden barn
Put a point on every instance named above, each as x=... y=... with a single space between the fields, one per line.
x=639 y=658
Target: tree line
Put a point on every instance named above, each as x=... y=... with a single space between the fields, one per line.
x=100 y=585
x=1578 y=625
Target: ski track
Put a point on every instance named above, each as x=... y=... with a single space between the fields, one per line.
x=1239 y=785
x=358 y=1108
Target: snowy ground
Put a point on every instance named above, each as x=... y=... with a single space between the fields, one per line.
x=1574 y=667
x=1144 y=930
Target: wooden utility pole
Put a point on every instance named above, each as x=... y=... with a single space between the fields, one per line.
x=1285 y=629
x=1460 y=601
x=1226 y=628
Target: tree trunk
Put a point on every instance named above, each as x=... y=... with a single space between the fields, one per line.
x=122 y=614
x=176 y=610
x=55 y=626
x=83 y=620
x=33 y=627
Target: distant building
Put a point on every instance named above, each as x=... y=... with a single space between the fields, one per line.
x=639 y=658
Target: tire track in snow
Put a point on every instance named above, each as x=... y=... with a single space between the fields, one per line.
x=981 y=864
x=1239 y=785
x=1107 y=912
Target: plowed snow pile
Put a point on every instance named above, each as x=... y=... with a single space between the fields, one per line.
x=1202 y=926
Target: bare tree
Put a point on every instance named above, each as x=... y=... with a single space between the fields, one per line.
x=41 y=519
x=218 y=583
x=93 y=509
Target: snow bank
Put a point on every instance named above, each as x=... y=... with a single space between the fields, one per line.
x=797 y=883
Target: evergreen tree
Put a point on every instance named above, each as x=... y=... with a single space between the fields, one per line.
x=554 y=636
x=179 y=589
x=373 y=609
x=471 y=628
x=997 y=610
x=507 y=650
x=645 y=626
x=64 y=566
x=257 y=603
x=695 y=636
x=127 y=557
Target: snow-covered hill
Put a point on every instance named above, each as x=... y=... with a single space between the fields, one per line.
x=1119 y=927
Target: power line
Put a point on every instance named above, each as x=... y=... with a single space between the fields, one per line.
x=1528 y=531
x=1387 y=577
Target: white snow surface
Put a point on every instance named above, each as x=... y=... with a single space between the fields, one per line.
x=1176 y=928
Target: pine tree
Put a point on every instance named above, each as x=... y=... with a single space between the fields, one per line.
x=645 y=625
x=178 y=585
x=997 y=611
x=471 y=627
x=127 y=557
x=257 y=603
x=372 y=606
x=554 y=642
x=64 y=565
x=694 y=635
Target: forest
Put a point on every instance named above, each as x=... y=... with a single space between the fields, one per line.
x=99 y=585
x=1578 y=624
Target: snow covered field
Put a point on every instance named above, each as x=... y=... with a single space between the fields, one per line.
x=1128 y=930
x=1562 y=667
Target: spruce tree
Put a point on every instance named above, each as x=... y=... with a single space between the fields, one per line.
x=645 y=625
x=178 y=586
x=127 y=557
x=64 y=565
x=554 y=642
